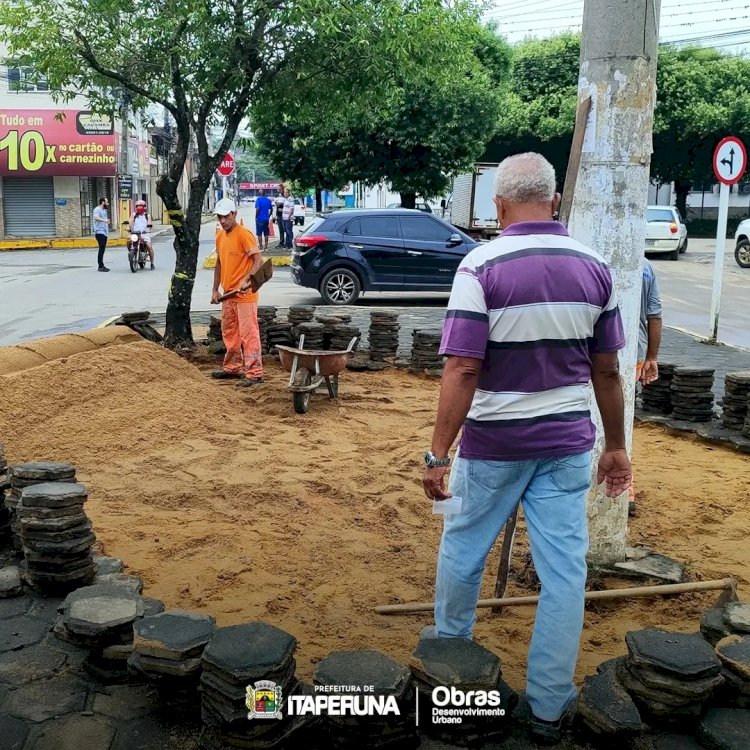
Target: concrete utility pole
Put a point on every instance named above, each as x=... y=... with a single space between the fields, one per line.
x=618 y=71
x=124 y=161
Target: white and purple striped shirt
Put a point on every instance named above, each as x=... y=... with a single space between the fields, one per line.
x=534 y=305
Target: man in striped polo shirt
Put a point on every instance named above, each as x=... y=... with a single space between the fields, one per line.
x=532 y=324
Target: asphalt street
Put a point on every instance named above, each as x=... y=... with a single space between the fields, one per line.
x=45 y=292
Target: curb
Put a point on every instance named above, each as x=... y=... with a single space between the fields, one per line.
x=75 y=243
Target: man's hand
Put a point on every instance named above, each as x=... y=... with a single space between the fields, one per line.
x=434 y=483
x=215 y=297
x=615 y=469
x=650 y=372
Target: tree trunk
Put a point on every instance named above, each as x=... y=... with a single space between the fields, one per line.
x=681 y=189
x=408 y=200
x=318 y=199
x=187 y=226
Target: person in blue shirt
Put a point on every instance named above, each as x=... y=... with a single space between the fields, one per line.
x=263 y=209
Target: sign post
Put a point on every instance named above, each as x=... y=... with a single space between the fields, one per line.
x=225 y=169
x=730 y=162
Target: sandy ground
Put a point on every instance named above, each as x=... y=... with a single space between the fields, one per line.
x=226 y=501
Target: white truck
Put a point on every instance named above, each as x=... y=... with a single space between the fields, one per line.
x=470 y=207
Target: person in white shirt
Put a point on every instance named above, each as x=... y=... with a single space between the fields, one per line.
x=101 y=230
x=140 y=221
x=288 y=218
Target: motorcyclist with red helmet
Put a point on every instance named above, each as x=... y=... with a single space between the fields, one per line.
x=140 y=221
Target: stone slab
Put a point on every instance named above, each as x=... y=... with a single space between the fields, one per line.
x=20 y=631
x=737 y=616
x=148 y=665
x=29 y=664
x=687 y=655
x=97 y=615
x=250 y=650
x=174 y=634
x=107 y=565
x=13 y=732
x=40 y=470
x=653 y=566
x=43 y=525
x=126 y=702
x=713 y=626
x=369 y=667
x=54 y=495
x=734 y=652
x=10 y=582
x=46 y=699
x=605 y=706
x=76 y=733
x=725 y=729
x=455 y=661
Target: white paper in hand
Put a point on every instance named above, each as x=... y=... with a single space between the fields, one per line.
x=449 y=507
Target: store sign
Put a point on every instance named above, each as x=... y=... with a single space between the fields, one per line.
x=259 y=185
x=125 y=186
x=36 y=142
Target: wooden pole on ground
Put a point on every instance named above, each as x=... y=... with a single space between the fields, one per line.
x=722 y=584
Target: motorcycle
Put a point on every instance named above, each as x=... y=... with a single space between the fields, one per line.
x=137 y=250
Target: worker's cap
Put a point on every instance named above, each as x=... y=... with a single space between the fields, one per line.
x=224 y=207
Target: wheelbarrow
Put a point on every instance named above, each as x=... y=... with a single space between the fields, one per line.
x=310 y=368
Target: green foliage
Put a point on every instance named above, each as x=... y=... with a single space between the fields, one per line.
x=413 y=126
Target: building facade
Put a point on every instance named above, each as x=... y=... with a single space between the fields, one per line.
x=57 y=161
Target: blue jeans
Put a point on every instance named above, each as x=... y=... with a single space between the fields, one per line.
x=289 y=231
x=553 y=493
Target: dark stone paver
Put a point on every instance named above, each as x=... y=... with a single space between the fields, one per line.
x=13 y=732
x=737 y=616
x=19 y=605
x=676 y=742
x=385 y=675
x=21 y=631
x=75 y=733
x=725 y=729
x=125 y=702
x=606 y=707
x=10 y=582
x=44 y=608
x=175 y=634
x=47 y=699
x=29 y=664
x=152 y=732
x=688 y=655
x=455 y=661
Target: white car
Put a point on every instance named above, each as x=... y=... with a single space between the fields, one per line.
x=742 y=244
x=299 y=213
x=665 y=232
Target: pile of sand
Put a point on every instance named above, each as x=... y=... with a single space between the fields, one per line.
x=226 y=501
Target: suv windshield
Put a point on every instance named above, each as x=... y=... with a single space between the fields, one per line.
x=659 y=214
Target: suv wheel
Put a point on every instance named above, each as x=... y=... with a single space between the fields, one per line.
x=742 y=254
x=340 y=287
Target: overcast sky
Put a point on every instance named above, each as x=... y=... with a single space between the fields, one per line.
x=724 y=24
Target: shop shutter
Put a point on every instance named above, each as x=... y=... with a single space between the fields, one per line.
x=29 y=206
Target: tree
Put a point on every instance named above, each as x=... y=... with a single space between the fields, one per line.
x=205 y=63
x=702 y=95
x=411 y=127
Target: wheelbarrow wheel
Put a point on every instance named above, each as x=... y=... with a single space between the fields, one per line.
x=301 y=399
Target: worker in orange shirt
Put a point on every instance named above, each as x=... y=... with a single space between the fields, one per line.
x=237 y=259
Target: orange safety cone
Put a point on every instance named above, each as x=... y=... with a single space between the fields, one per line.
x=270 y=228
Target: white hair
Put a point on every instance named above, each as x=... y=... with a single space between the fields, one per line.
x=525 y=178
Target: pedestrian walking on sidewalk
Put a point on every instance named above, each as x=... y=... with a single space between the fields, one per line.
x=263 y=211
x=288 y=218
x=237 y=259
x=101 y=230
x=280 y=216
x=532 y=322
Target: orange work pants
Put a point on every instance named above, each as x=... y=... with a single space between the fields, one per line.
x=241 y=334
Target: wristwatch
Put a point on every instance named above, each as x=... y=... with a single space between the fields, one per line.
x=431 y=461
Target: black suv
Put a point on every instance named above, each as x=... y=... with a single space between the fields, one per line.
x=380 y=250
